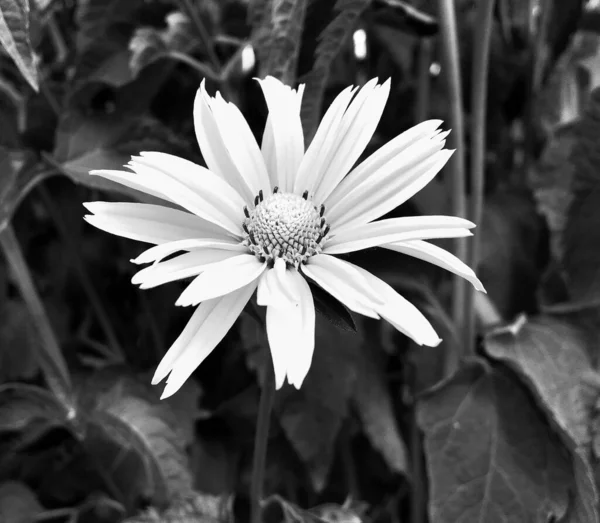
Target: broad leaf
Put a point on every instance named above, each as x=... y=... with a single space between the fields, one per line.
x=551 y=356
x=14 y=37
x=18 y=503
x=492 y=457
x=330 y=43
x=276 y=34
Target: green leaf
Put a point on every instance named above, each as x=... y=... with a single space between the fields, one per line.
x=276 y=35
x=582 y=234
x=550 y=354
x=14 y=37
x=492 y=457
x=135 y=438
x=374 y=405
x=330 y=43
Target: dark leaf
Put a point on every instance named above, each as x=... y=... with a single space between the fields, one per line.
x=330 y=43
x=404 y=16
x=276 y=34
x=135 y=439
x=312 y=416
x=374 y=405
x=14 y=37
x=550 y=354
x=18 y=503
x=332 y=309
x=492 y=457
x=582 y=234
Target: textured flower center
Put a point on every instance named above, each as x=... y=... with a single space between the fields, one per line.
x=285 y=225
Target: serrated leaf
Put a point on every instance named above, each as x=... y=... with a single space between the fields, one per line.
x=276 y=36
x=135 y=438
x=373 y=403
x=14 y=37
x=492 y=457
x=331 y=41
x=582 y=234
x=550 y=354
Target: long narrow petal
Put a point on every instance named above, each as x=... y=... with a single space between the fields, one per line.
x=158 y=252
x=359 y=124
x=225 y=277
x=438 y=256
x=183 y=266
x=323 y=144
x=284 y=147
x=241 y=144
x=402 y=314
x=198 y=190
x=395 y=230
x=393 y=151
x=343 y=283
x=213 y=147
x=150 y=223
x=208 y=326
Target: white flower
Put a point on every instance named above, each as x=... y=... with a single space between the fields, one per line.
x=268 y=218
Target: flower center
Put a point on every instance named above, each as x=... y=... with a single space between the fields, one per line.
x=285 y=225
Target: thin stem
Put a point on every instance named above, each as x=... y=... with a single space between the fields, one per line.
x=423 y=80
x=63 y=229
x=261 y=439
x=204 y=70
x=479 y=87
x=203 y=34
x=417 y=502
x=51 y=359
x=457 y=141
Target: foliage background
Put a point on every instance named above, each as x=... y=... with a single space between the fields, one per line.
x=382 y=431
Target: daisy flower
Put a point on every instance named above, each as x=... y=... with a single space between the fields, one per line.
x=269 y=218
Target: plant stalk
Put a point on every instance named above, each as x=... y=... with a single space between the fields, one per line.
x=423 y=79
x=479 y=88
x=52 y=362
x=456 y=164
x=261 y=439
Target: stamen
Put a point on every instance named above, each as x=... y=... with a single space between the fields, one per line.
x=305 y=195
x=322 y=222
x=246 y=213
x=275 y=189
x=326 y=230
x=322 y=211
x=260 y=195
x=256 y=201
x=245 y=227
x=252 y=238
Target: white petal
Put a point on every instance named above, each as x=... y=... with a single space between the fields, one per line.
x=322 y=147
x=284 y=147
x=183 y=266
x=208 y=327
x=150 y=223
x=358 y=125
x=159 y=252
x=199 y=191
x=438 y=256
x=221 y=279
x=402 y=314
x=241 y=144
x=392 y=151
x=395 y=230
x=213 y=148
x=345 y=284
x=291 y=328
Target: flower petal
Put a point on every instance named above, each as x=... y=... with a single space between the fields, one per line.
x=291 y=328
x=225 y=277
x=159 y=252
x=183 y=266
x=402 y=314
x=213 y=147
x=339 y=279
x=438 y=256
x=323 y=144
x=284 y=145
x=393 y=151
x=395 y=230
x=198 y=190
x=150 y=223
x=241 y=144
x=208 y=326
x=356 y=130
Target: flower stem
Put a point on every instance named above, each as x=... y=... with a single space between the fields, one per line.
x=261 y=439
x=479 y=85
x=51 y=359
x=423 y=79
x=457 y=141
